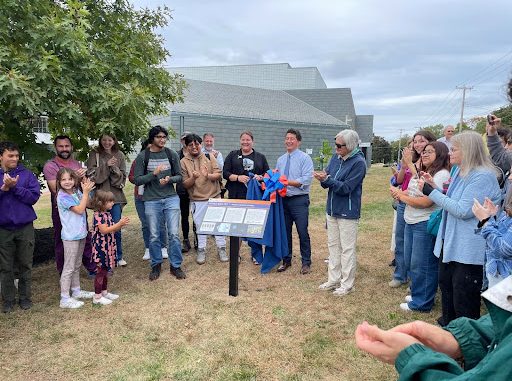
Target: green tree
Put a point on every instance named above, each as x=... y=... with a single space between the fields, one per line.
x=324 y=155
x=91 y=66
x=381 y=150
x=436 y=129
x=505 y=113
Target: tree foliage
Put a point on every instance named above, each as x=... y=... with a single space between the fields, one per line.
x=324 y=155
x=92 y=66
x=381 y=150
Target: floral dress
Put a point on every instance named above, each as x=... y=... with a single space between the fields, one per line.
x=103 y=245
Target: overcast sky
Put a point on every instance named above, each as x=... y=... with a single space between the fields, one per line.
x=402 y=59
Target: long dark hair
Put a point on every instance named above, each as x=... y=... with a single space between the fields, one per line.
x=427 y=135
x=442 y=160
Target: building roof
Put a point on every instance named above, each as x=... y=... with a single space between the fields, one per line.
x=280 y=76
x=248 y=102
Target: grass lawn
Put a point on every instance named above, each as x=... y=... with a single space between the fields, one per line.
x=280 y=327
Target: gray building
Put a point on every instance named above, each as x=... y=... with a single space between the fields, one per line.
x=267 y=100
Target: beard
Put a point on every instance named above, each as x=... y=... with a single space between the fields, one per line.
x=64 y=154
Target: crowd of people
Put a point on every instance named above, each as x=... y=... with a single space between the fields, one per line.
x=453 y=231
x=169 y=185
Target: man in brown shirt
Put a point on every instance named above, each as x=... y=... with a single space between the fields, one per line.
x=201 y=176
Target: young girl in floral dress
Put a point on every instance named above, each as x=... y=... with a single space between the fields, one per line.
x=104 y=245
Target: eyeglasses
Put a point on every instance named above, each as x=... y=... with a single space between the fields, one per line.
x=340 y=145
x=428 y=152
x=193 y=144
x=161 y=136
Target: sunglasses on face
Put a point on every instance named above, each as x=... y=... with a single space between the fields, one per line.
x=340 y=145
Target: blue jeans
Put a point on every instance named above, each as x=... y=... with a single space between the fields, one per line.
x=296 y=209
x=116 y=216
x=424 y=266
x=168 y=210
x=402 y=263
x=141 y=212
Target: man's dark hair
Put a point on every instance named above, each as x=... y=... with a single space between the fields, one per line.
x=61 y=137
x=155 y=131
x=192 y=138
x=296 y=133
x=8 y=146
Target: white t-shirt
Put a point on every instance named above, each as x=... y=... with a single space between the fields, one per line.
x=414 y=215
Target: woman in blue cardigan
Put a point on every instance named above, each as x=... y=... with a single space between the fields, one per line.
x=462 y=252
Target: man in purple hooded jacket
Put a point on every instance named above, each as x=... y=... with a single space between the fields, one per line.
x=19 y=191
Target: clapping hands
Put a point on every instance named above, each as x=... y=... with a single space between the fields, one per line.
x=482 y=212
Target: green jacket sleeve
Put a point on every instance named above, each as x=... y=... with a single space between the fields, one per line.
x=481 y=362
x=474 y=338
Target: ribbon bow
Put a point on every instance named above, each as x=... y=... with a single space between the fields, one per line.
x=273 y=182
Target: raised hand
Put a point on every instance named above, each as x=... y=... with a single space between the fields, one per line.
x=492 y=128
x=81 y=172
x=9 y=181
x=407 y=156
x=490 y=206
x=160 y=168
x=87 y=185
x=112 y=162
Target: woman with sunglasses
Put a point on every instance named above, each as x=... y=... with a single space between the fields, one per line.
x=410 y=166
x=343 y=177
x=418 y=243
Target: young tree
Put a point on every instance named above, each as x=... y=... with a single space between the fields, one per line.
x=91 y=66
x=324 y=155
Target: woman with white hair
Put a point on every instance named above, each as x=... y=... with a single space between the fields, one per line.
x=462 y=252
x=343 y=177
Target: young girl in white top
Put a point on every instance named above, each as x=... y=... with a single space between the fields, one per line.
x=104 y=245
x=71 y=203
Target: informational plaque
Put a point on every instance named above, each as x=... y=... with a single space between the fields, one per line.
x=235 y=218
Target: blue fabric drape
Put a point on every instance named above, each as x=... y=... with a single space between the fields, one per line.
x=274 y=238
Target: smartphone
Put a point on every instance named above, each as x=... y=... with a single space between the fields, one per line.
x=490 y=119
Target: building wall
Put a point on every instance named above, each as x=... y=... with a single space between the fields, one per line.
x=267 y=76
x=268 y=135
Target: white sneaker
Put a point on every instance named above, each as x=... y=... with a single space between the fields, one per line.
x=146 y=255
x=111 y=296
x=103 y=301
x=405 y=307
x=408 y=298
x=327 y=286
x=164 y=253
x=395 y=283
x=83 y=295
x=122 y=263
x=70 y=303
x=341 y=291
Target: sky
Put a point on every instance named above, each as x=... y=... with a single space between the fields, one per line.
x=403 y=60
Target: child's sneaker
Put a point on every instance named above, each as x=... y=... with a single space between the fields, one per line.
x=83 y=295
x=70 y=303
x=111 y=296
x=103 y=301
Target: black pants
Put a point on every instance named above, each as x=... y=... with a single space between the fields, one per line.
x=460 y=286
x=296 y=210
x=185 y=212
x=16 y=247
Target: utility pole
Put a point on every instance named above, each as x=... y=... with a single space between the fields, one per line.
x=463 y=88
x=399 y=147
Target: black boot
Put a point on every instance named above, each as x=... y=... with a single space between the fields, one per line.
x=185 y=248
x=155 y=272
